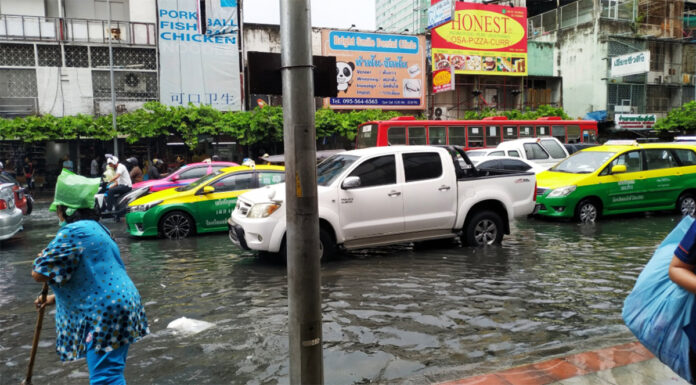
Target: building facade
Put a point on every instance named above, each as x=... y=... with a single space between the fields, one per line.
x=588 y=35
x=402 y=15
x=54 y=56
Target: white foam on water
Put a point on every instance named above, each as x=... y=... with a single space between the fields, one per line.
x=189 y=326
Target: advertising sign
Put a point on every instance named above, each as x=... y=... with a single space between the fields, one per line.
x=377 y=70
x=635 y=122
x=443 y=80
x=195 y=68
x=439 y=13
x=483 y=39
x=631 y=64
x=222 y=16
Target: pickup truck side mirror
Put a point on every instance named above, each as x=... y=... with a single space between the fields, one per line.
x=351 y=182
x=618 y=169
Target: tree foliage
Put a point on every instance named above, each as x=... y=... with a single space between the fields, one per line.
x=259 y=126
x=679 y=119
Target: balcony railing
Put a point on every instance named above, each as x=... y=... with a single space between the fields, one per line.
x=16 y=27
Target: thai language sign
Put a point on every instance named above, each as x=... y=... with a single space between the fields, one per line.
x=631 y=64
x=195 y=68
x=443 y=80
x=482 y=39
x=439 y=13
x=634 y=121
x=377 y=70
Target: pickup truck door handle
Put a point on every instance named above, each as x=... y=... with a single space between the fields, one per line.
x=394 y=194
x=443 y=188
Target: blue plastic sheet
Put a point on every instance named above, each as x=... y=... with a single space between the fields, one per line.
x=658 y=310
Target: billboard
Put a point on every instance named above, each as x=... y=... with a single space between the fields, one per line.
x=443 y=80
x=195 y=68
x=439 y=13
x=483 y=40
x=635 y=121
x=630 y=64
x=377 y=70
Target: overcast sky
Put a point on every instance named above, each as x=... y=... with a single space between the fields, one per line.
x=338 y=14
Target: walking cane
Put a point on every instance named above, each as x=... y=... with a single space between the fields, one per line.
x=37 y=333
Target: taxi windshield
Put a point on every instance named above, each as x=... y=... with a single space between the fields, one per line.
x=332 y=167
x=584 y=162
x=199 y=182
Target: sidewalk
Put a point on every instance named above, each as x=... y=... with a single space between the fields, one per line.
x=628 y=364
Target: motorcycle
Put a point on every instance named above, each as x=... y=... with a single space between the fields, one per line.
x=121 y=208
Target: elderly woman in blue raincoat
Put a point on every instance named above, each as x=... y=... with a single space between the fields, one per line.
x=98 y=308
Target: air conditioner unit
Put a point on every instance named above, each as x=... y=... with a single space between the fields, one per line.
x=134 y=82
x=440 y=113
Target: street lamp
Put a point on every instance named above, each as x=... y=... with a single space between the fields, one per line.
x=351 y=27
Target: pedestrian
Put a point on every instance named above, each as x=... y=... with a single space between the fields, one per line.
x=68 y=164
x=180 y=162
x=98 y=308
x=94 y=167
x=29 y=173
x=120 y=184
x=2 y=170
x=681 y=272
x=136 y=173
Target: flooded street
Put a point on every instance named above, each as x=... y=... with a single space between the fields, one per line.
x=394 y=315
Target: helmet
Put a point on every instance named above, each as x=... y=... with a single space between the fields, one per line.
x=132 y=160
x=1 y=165
x=215 y=158
x=157 y=162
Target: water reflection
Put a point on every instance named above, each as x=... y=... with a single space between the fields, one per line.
x=399 y=314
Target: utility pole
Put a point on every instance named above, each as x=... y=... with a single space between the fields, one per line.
x=111 y=73
x=302 y=212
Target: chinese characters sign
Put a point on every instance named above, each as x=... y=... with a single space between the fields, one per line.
x=377 y=70
x=195 y=68
x=483 y=39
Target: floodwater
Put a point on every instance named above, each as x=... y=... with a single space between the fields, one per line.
x=392 y=315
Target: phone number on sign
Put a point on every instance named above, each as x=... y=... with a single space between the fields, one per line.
x=375 y=102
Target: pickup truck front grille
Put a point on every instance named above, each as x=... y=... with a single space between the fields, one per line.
x=541 y=191
x=243 y=207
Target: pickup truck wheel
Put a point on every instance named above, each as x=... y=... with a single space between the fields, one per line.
x=485 y=228
x=587 y=211
x=686 y=204
x=176 y=225
x=327 y=246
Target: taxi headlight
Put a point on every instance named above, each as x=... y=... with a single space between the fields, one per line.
x=145 y=207
x=562 y=191
x=263 y=210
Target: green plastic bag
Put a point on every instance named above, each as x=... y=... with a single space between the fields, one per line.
x=74 y=192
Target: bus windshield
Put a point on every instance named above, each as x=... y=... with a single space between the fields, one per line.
x=367 y=136
x=331 y=168
x=584 y=162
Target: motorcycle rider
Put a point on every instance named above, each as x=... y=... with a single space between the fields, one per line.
x=120 y=184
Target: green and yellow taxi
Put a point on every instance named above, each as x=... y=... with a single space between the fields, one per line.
x=620 y=177
x=200 y=207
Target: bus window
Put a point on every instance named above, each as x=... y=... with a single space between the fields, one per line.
x=589 y=136
x=526 y=132
x=542 y=130
x=492 y=136
x=573 y=133
x=559 y=132
x=475 y=136
x=457 y=136
x=509 y=133
x=396 y=135
x=437 y=135
x=367 y=137
x=416 y=135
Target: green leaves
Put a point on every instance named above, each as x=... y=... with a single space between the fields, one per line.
x=682 y=118
x=263 y=126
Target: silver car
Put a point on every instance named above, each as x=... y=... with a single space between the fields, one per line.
x=10 y=216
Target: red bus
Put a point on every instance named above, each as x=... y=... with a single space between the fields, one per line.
x=488 y=132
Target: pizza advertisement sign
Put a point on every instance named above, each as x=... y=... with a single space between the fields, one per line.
x=483 y=40
x=443 y=80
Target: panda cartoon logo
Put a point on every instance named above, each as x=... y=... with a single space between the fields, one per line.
x=344 y=75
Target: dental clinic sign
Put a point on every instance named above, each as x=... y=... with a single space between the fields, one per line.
x=631 y=64
x=195 y=68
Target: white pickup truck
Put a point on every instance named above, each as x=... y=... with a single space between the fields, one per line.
x=386 y=195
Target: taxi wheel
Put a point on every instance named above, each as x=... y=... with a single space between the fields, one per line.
x=587 y=211
x=687 y=204
x=176 y=225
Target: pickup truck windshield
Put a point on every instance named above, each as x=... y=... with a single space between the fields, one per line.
x=585 y=162
x=331 y=168
x=199 y=182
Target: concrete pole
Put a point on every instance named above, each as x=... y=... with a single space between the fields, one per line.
x=302 y=239
x=111 y=73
